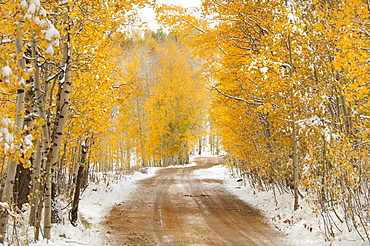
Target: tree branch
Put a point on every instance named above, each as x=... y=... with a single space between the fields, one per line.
x=237 y=98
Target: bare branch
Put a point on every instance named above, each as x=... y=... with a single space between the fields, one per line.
x=237 y=98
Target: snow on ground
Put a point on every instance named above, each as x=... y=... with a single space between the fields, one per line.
x=98 y=199
x=301 y=227
x=95 y=204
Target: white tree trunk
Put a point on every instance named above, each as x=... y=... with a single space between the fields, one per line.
x=57 y=135
x=7 y=196
x=12 y=165
x=45 y=139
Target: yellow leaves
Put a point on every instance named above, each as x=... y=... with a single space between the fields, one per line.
x=265 y=108
x=171 y=15
x=294 y=64
x=17 y=145
x=39 y=122
x=27 y=165
x=161 y=112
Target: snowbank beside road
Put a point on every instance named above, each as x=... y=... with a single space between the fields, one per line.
x=302 y=227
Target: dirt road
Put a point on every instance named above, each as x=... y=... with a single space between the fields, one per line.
x=176 y=208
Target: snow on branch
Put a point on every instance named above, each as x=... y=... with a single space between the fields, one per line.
x=7 y=73
x=5 y=40
x=118 y=86
x=5 y=206
x=237 y=98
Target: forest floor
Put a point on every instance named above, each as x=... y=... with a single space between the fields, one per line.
x=176 y=207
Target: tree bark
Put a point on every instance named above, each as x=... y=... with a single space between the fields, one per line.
x=57 y=135
x=294 y=132
x=12 y=165
x=41 y=145
x=35 y=177
x=295 y=163
x=79 y=183
x=7 y=196
x=21 y=186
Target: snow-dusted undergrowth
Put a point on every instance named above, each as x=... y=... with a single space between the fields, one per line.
x=302 y=227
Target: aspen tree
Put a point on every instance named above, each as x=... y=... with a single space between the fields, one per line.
x=167 y=103
x=81 y=168
x=42 y=144
x=7 y=196
x=61 y=117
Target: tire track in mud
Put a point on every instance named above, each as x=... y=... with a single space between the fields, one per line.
x=176 y=208
x=226 y=218
x=209 y=207
x=166 y=217
x=230 y=227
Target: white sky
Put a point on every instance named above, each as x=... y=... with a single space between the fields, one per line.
x=148 y=15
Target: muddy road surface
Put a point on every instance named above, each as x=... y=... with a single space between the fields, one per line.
x=177 y=208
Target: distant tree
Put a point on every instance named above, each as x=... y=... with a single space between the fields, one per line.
x=164 y=112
